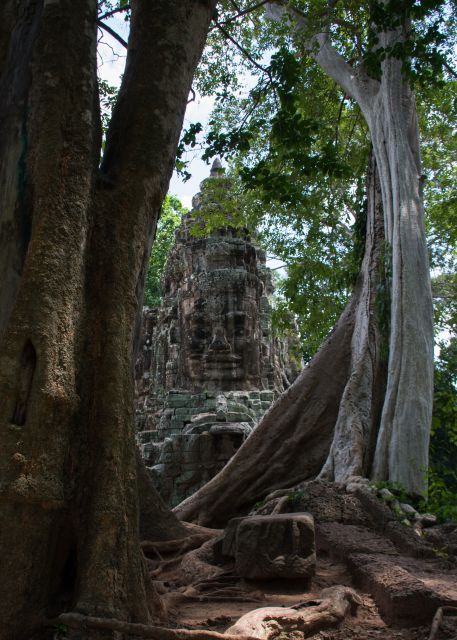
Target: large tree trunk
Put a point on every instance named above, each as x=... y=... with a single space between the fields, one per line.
x=388 y=105
x=297 y=438
x=73 y=242
x=403 y=441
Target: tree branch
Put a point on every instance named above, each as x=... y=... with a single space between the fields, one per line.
x=242 y=49
x=112 y=33
x=450 y=70
x=245 y=11
x=108 y=14
x=327 y=57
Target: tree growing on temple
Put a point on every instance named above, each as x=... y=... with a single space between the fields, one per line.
x=363 y=405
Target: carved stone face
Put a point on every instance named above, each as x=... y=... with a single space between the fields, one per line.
x=221 y=328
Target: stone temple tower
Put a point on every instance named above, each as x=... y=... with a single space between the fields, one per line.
x=209 y=366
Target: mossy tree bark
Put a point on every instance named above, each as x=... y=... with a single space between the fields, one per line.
x=74 y=239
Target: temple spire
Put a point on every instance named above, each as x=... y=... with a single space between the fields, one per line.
x=217 y=169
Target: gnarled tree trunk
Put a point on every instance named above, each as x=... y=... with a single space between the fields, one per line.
x=74 y=239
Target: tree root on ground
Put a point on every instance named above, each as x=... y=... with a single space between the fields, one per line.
x=438 y=619
x=222 y=587
x=159 y=566
x=268 y=623
x=79 y=621
x=171 y=546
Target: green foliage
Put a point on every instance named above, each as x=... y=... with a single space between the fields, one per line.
x=170 y=219
x=295 y=499
x=442 y=475
x=442 y=501
x=397 y=489
x=108 y=96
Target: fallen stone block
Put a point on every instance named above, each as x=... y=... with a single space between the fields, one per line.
x=273 y=546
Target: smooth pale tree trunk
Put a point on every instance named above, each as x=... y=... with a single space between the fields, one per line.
x=388 y=105
x=390 y=111
x=403 y=441
x=74 y=239
x=352 y=449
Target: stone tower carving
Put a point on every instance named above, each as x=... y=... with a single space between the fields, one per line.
x=210 y=366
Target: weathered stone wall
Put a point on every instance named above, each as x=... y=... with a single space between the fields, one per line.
x=209 y=366
x=196 y=436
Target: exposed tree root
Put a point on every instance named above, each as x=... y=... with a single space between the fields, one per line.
x=278 y=622
x=267 y=623
x=163 y=565
x=222 y=587
x=198 y=565
x=78 y=621
x=438 y=619
x=180 y=545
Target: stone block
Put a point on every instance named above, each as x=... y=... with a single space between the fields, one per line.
x=232 y=428
x=203 y=418
x=238 y=416
x=267 y=396
x=183 y=412
x=146 y=436
x=240 y=396
x=174 y=402
x=176 y=422
x=275 y=546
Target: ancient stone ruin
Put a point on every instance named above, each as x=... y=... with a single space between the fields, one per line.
x=209 y=366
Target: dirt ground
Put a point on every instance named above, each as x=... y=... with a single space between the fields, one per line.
x=402 y=579
x=204 y=613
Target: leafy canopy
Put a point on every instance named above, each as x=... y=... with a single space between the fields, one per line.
x=169 y=221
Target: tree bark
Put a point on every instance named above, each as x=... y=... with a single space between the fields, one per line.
x=388 y=106
x=403 y=441
x=69 y=535
x=354 y=439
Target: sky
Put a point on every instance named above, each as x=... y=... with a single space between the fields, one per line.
x=111 y=66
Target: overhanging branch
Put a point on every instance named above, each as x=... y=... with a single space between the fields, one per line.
x=112 y=33
x=244 y=51
x=245 y=12
x=321 y=49
x=108 y=14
